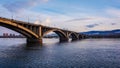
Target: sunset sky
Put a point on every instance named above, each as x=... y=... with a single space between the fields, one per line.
x=74 y=15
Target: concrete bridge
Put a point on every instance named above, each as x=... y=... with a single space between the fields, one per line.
x=34 y=33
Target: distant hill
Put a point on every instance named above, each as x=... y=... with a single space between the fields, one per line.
x=102 y=32
x=51 y=36
x=111 y=34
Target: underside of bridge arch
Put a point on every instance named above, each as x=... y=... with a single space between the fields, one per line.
x=62 y=36
x=73 y=36
x=17 y=29
x=81 y=36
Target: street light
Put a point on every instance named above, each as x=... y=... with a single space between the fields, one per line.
x=28 y=19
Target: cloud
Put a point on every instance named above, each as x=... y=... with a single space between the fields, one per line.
x=47 y=21
x=18 y=6
x=45 y=0
x=79 y=19
x=37 y=22
x=113 y=12
x=52 y=10
x=92 y=25
x=113 y=23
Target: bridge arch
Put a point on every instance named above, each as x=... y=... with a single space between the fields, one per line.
x=74 y=36
x=60 y=33
x=81 y=36
x=18 y=28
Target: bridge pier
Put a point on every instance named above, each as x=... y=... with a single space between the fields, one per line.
x=64 y=39
x=34 y=42
x=74 y=39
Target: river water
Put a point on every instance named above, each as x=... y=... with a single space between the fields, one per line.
x=87 y=53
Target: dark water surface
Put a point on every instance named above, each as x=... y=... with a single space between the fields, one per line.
x=88 y=53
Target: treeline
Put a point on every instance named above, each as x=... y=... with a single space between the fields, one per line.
x=105 y=36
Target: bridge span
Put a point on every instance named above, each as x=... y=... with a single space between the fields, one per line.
x=34 y=32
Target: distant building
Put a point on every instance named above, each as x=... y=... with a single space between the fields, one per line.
x=7 y=35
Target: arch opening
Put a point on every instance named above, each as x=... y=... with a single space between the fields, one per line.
x=73 y=37
x=58 y=34
x=50 y=38
x=80 y=37
x=18 y=29
x=8 y=33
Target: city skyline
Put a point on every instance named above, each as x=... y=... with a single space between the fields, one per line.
x=75 y=15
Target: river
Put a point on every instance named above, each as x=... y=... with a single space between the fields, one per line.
x=86 y=53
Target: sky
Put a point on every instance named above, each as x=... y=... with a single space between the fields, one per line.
x=74 y=15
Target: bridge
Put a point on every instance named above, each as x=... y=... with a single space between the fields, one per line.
x=34 y=32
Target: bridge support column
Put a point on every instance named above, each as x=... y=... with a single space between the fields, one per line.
x=64 y=39
x=34 y=42
x=74 y=39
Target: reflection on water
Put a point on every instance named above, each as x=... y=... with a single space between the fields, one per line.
x=88 y=53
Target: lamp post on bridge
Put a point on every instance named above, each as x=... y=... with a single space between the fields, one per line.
x=12 y=15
